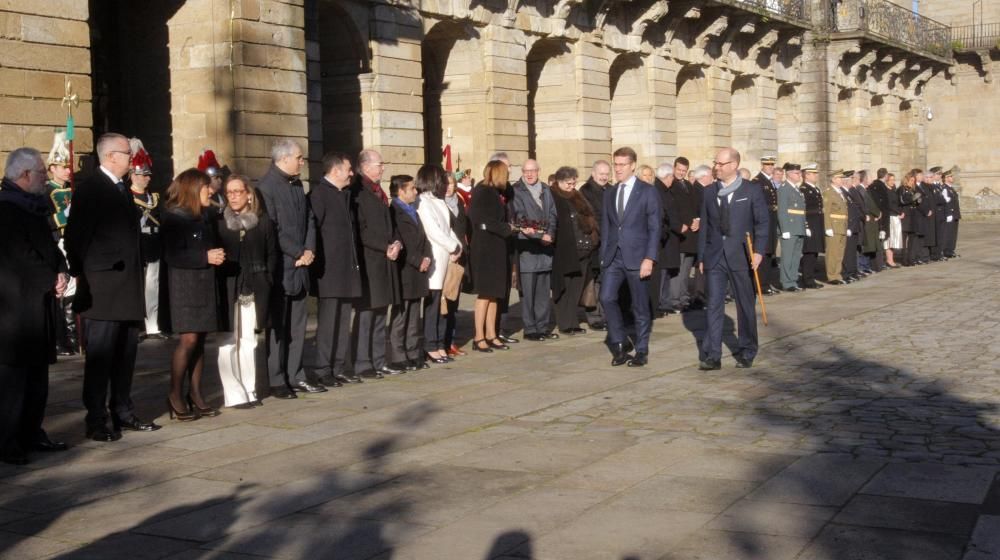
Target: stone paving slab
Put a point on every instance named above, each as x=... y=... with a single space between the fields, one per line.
x=868 y=428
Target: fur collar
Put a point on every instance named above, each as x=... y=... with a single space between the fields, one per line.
x=245 y=220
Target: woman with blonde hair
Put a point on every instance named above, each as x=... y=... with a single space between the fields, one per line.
x=488 y=254
x=191 y=255
x=247 y=235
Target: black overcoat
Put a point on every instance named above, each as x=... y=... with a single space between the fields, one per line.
x=336 y=272
x=413 y=284
x=814 y=219
x=287 y=206
x=30 y=261
x=489 y=258
x=379 y=281
x=670 y=232
x=102 y=247
x=249 y=268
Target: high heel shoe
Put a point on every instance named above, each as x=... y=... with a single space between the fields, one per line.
x=181 y=416
x=437 y=359
x=498 y=344
x=208 y=412
x=477 y=348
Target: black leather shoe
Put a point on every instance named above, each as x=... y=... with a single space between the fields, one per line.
x=307 y=387
x=389 y=370
x=573 y=331
x=640 y=359
x=551 y=336
x=134 y=424
x=441 y=360
x=283 y=392
x=743 y=363
x=769 y=292
x=814 y=286
x=507 y=339
x=599 y=326
x=535 y=337
x=45 y=444
x=498 y=344
x=347 y=378
x=836 y=282
x=619 y=354
x=414 y=365
x=709 y=364
x=402 y=366
x=102 y=433
x=330 y=381
x=371 y=374
x=794 y=289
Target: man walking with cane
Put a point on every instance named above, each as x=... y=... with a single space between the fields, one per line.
x=730 y=210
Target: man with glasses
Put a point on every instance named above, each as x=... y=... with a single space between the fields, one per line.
x=287 y=206
x=731 y=210
x=102 y=247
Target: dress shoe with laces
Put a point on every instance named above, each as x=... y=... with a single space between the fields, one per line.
x=389 y=370
x=346 y=378
x=134 y=424
x=619 y=354
x=283 y=392
x=330 y=381
x=307 y=387
x=709 y=364
x=640 y=359
x=43 y=443
x=103 y=434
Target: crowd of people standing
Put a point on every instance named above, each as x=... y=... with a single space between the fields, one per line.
x=387 y=266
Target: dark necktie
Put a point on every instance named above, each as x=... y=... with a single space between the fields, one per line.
x=621 y=201
x=724 y=215
x=121 y=187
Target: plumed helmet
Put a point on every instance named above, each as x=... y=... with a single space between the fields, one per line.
x=208 y=164
x=142 y=164
x=59 y=154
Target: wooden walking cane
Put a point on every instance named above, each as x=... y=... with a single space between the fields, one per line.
x=756 y=277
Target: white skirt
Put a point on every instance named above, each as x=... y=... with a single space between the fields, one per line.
x=895 y=233
x=237 y=360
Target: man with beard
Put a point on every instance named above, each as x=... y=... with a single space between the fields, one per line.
x=33 y=274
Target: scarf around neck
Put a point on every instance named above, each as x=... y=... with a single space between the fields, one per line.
x=32 y=203
x=244 y=221
x=726 y=191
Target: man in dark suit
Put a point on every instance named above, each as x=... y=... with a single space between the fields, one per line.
x=953 y=215
x=287 y=206
x=630 y=231
x=336 y=272
x=380 y=280
x=730 y=210
x=32 y=276
x=687 y=199
x=102 y=247
x=879 y=191
x=593 y=191
x=768 y=181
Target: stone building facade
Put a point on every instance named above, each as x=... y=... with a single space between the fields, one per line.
x=844 y=83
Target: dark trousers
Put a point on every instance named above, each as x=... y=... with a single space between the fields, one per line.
x=770 y=274
x=656 y=283
x=369 y=339
x=404 y=335
x=111 y=348
x=333 y=336
x=568 y=302
x=536 y=301
x=615 y=275
x=680 y=279
x=435 y=323
x=941 y=233
x=851 y=256
x=952 y=242
x=450 y=323
x=914 y=247
x=24 y=390
x=286 y=339
x=808 y=268
x=595 y=315
x=717 y=279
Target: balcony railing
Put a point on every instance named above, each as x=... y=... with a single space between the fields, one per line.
x=894 y=24
x=978 y=36
x=789 y=10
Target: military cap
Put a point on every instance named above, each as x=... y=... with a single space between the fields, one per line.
x=948 y=173
x=837 y=173
x=789 y=166
x=811 y=167
x=768 y=160
x=935 y=170
x=848 y=173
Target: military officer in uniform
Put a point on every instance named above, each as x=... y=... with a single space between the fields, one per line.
x=148 y=208
x=953 y=213
x=764 y=180
x=61 y=195
x=792 y=226
x=812 y=245
x=835 y=219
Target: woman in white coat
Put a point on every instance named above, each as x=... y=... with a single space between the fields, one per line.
x=432 y=183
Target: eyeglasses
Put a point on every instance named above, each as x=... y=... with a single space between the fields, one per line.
x=128 y=153
x=721 y=163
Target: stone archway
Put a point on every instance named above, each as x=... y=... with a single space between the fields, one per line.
x=552 y=103
x=694 y=116
x=747 y=126
x=454 y=95
x=337 y=63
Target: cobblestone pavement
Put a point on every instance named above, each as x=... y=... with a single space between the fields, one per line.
x=869 y=428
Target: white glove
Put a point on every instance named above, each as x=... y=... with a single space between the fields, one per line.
x=881 y=235
x=848 y=233
x=829 y=233
x=809 y=232
x=949 y=219
x=786 y=235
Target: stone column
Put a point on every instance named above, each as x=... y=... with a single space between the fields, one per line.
x=663 y=95
x=42 y=44
x=506 y=107
x=720 y=88
x=594 y=106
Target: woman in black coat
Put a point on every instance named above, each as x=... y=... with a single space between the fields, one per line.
x=190 y=252
x=488 y=256
x=246 y=235
x=576 y=238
